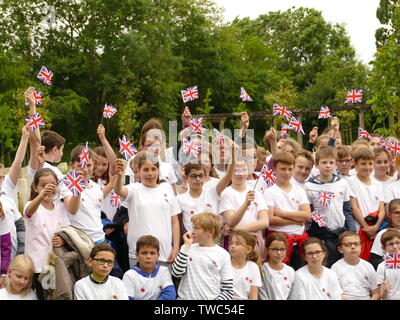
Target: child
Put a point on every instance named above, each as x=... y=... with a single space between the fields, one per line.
x=357 y=277
x=277 y=277
x=43 y=217
x=381 y=168
x=152 y=208
x=314 y=281
x=99 y=285
x=88 y=217
x=243 y=208
x=246 y=264
x=334 y=211
x=388 y=279
x=148 y=280
x=288 y=206
x=204 y=266
x=393 y=216
x=303 y=165
x=366 y=197
x=344 y=162
x=18 y=281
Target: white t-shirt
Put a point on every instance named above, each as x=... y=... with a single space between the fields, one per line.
x=142 y=286
x=212 y=183
x=207 y=202
x=377 y=245
x=308 y=287
x=392 y=277
x=244 y=279
x=386 y=185
x=39 y=231
x=368 y=196
x=287 y=201
x=261 y=185
x=5 y=295
x=88 y=217
x=7 y=225
x=392 y=192
x=232 y=199
x=333 y=213
x=167 y=172
x=294 y=182
x=280 y=281
x=106 y=206
x=207 y=268
x=357 y=281
x=220 y=173
x=150 y=212
x=9 y=189
x=112 y=289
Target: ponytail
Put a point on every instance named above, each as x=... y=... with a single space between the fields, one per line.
x=250 y=240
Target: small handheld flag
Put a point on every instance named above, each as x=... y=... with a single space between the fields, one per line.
x=191 y=148
x=219 y=136
x=190 y=94
x=109 y=111
x=284 y=130
x=295 y=125
x=74 y=182
x=316 y=217
x=84 y=156
x=354 y=96
x=324 y=113
x=38 y=97
x=363 y=134
x=392 y=261
x=35 y=121
x=126 y=148
x=282 y=111
x=45 y=76
x=196 y=125
x=394 y=147
x=244 y=96
x=382 y=143
x=115 y=199
x=268 y=174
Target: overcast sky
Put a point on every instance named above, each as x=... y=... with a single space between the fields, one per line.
x=358 y=16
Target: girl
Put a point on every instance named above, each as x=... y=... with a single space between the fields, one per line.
x=246 y=264
x=277 y=277
x=381 y=168
x=242 y=208
x=314 y=281
x=152 y=208
x=18 y=281
x=43 y=217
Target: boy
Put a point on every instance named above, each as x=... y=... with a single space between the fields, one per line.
x=366 y=197
x=99 y=285
x=328 y=194
x=389 y=278
x=204 y=267
x=148 y=280
x=344 y=162
x=288 y=206
x=357 y=277
x=303 y=165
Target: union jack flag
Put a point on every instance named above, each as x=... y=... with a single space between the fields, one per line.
x=38 y=97
x=316 y=217
x=196 y=125
x=126 y=148
x=382 y=143
x=363 y=134
x=45 y=75
x=190 y=94
x=219 y=136
x=35 y=121
x=295 y=125
x=392 y=261
x=244 y=96
x=191 y=148
x=325 y=198
x=115 y=199
x=84 y=156
x=284 y=130
x=394 y=147
x=324 y=113
x=109 y=111
x=282 y=111
x=268 y=174
x=74 y=182
x=354 y=96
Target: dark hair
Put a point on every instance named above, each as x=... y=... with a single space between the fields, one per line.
x=100 y=151
x=276 y=236
x=51 y=139
x=388 y=235
x=40 y=173
x=393 y=203
x=363 y=154
x=193 y=166
x=305 y=154
x=325 y=152
x=101 y=247
x=77 y=151
x=147 y=241
x=312 y=240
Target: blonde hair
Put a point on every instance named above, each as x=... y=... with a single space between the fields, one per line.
x=21 y=262
x=208 y=221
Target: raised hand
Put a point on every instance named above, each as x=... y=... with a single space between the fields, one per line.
x=48 y=190
x=101 y=131
x=313 y=134
x=186 y=116
x=40 y=155
x=251 y=195
x=120 y=167
x=188 y=239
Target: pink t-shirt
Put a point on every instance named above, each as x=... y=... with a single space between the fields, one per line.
x=39 y=231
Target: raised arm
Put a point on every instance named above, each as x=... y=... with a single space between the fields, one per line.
x=118 y=188
x=224 y=181
x=35 y=203
x=112 y=158
x=15 y=169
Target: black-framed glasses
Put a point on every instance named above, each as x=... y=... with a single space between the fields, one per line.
x=103 y=261
x=278 y=249
x=195 y=176
x=316 y=253
x=350 y=244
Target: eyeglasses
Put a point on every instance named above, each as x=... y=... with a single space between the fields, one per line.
x=345 y=160
x=278 y=249
x=103 y=261
x=392 y=244
x=195 y=176
x=350 y=244
x=316 y=253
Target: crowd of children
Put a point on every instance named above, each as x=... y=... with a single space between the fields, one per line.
x=231 y=220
